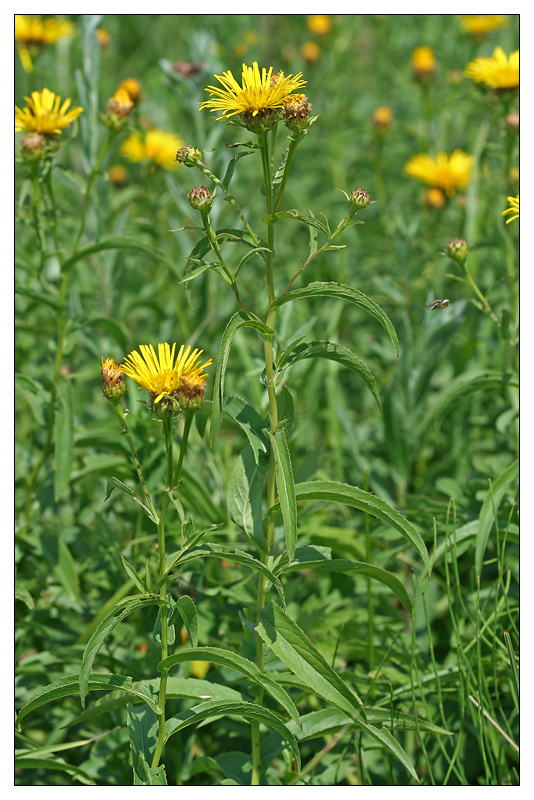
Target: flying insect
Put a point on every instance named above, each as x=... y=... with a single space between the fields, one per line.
x=437 y=304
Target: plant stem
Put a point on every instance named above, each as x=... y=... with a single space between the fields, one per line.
x=120 y=413
x=231 y=199
x=172 y=479
x=94 y=172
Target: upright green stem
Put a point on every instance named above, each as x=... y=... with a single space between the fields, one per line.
x=472 y=283
x=231 y=199
x=172 y=479
x=122 y=418
x=94 y=172
x=271 y=484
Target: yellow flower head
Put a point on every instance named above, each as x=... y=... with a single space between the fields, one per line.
x=182 y=379
x=444 y=172
x=157 y=147
x=258 y=93
x=103 y=37
x=498 y=71
x=45 y=114
x=513 y=210
x=133 y=88
x=310 y=51
x=34 y=32
x=382 y=117
x=423 y=61
x=319 y=24
x=120 y=104
x=479 y=25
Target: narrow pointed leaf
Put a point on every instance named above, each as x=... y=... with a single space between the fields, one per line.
x=285 y=484
x=490 y=507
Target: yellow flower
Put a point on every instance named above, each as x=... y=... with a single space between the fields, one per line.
x=32 y=30
x=103 y=37
x=120 y=104
x=480 y=24
x=162 y=375
x=310 y=51
x=319 y=24
x=199 y=669
x=35 y=32
x=45 y=114
x=133 y=88
x=514 y=209
x=435 y=198
x=382 y=117
x=256 y=95
x=118 y=175
x=423 y=61
x=444 y=172
x=498 y=71
x=158 y=147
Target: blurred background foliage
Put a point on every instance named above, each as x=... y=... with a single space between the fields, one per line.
x=432 y=453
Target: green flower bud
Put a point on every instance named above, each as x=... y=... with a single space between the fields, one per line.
x=457 y=249
x=190 y=156
x=201 y=198
x=359 y=198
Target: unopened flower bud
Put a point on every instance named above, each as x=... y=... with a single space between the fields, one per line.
x=133 y=88
x=457 y=249
x=190 y=394
x=121 y=104
x=359 y=198
x=512 y=122
x=190 y=156
x=118 y=175
x=297 y=112
x=32 y=144
x=310 y=52
x=382 y=117
x=423 y=63
x=435 y=198
x=112 y=380
x=201 y=198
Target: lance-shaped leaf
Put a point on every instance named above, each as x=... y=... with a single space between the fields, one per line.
x=245 y=492
x=342 y=292
x=463 y=386
x=293 y=647
x=334 y=352
x=239 y=320
x=226 y=658
x=489 y=509
x=285 y=484
x=241 y=709
x=332 y=491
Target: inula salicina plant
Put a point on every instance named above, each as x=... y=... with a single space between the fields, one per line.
x=278 y=546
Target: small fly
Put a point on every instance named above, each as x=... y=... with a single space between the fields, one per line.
x=437 y=304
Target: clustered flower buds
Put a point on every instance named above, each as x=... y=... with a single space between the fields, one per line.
x=201 y=198
x=359 y=198
x=457 y=249
x=190 y=156
x=112 y=380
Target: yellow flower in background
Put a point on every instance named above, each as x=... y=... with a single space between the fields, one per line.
x=133 y=88
x=250 y=39
x=118 y=175
x=382 y=117
x=444 y=172
x=498 y=71
x=435 y=198
x=162 y=374
x=157 y=147
x=35 y=32
x=45 y=114
x=514 y=209
x=479 y=25
x=120 y=104
x=199 y=669
x=423 y=62
x=103 y=37
x=258 y=92
x=310 y=51
x=319 y=24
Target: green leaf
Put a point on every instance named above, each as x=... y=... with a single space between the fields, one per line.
x=63 y=439
x=226 y=658
x=228 y=175
x=245 y=493
x=463 y=386
x=120 y=243
x=29 y=762
x=293 y=647
x=236 y=556
x=115 y=483
x=310 y=557
x=285 y=484
x=294 y=213
x=342 y=292
x=70 y=685
x=333 y=352
x=385 y=738
x=134 y=575
x=67 y=571
x=116 y=615
x=253 y=424
x=23 y=594
x=153 y=776
x=41 y=297
x=188 y=612
x=489 y=509
x=332 y=491
x=239 y=320
x=241 y=709
x=143 y=732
